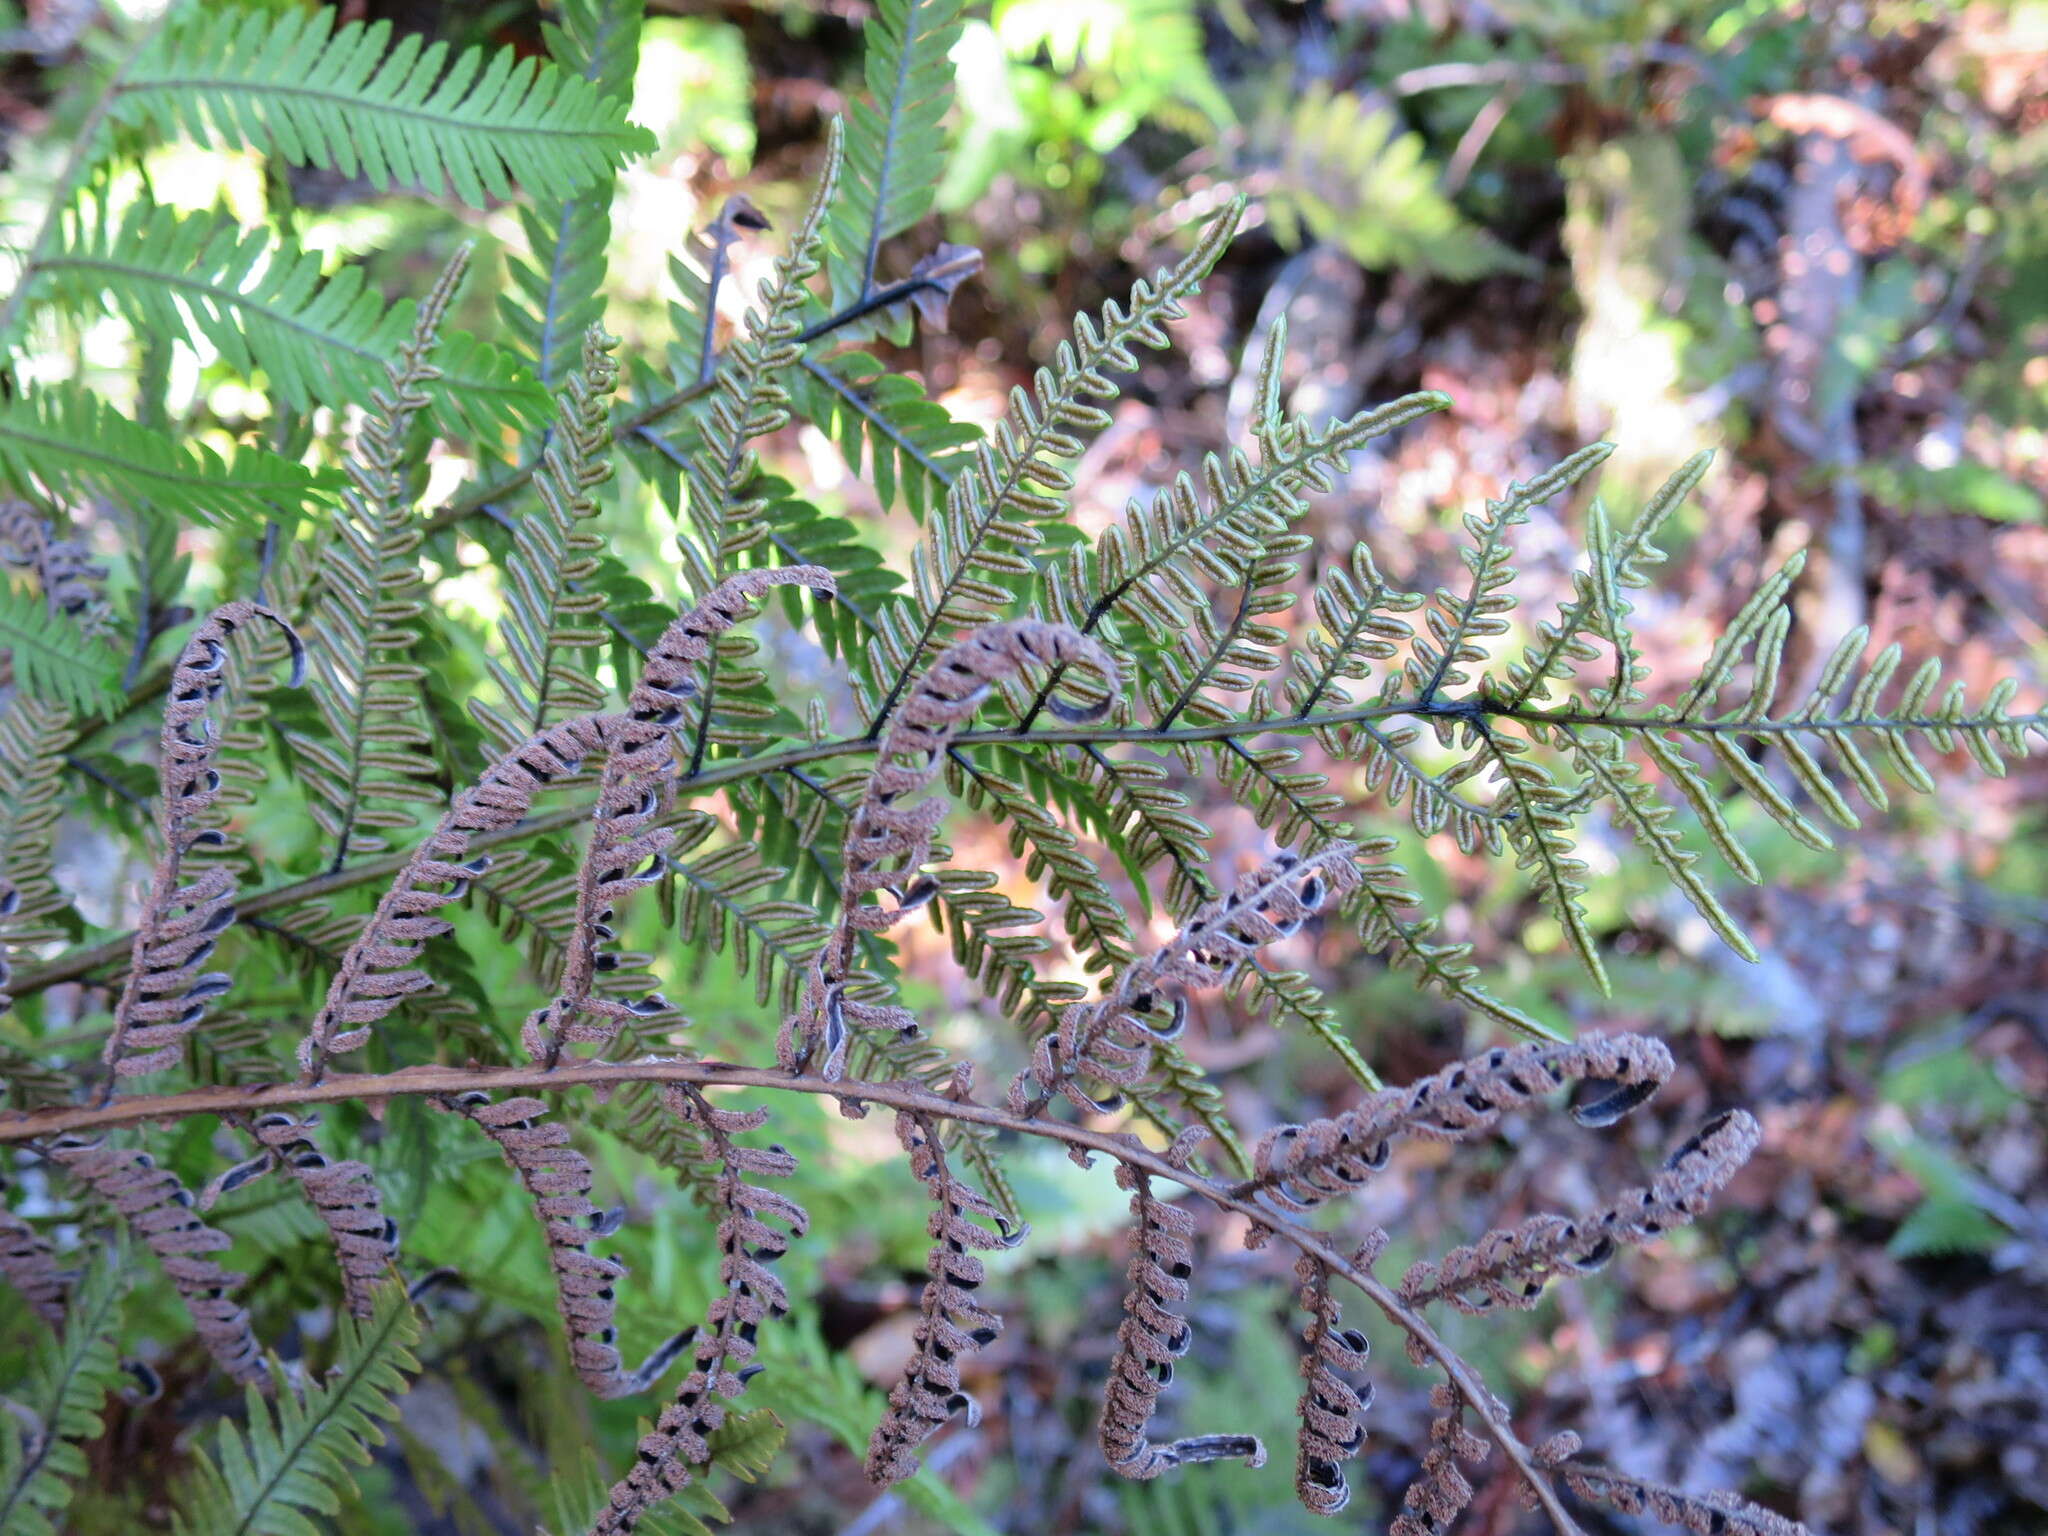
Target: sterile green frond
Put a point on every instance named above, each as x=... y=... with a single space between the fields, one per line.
x=52 y=660
x=56 y=1407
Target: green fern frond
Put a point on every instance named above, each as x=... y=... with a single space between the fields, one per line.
x=291 y=1462
x=798 y=533
x=266 y=304
x=53 y=660
x=558 y=294
x=895 y=137
x=76 y=445
x=365 y=771
x=57 y=1406
x=290 y=83
x=910 y=444
x=1355 y=608
x=34 y=738
x=749 y=400
x=1459 y=623
x=982 y=538
x=1542 y=835
x=551 y=617
x=722 y=907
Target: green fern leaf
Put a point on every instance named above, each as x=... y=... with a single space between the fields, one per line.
x=76 y=445
x=58 y=1403
x=558 y=294
x=910 y=444
x=266 y=304
x=895 y=138
x=290 y=83
x=292 y=1460
x=33 y=740
x=53 y=660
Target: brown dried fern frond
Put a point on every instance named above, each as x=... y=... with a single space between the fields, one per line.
x=889 y=837
x=29 y=1263
x=344 y=1195
x=1152 y=1336
x=163 y=1213
x=1332 y=1409
x=70 y=580
x=1301 y=1166
x=1111 y=1040
x=680 y=1445
x=1434 y=1501
x=1510 y=1266
x=166 y=993
x=1704 y=1514
x=626 y=843
x=952 y=1321
x=558 y=1178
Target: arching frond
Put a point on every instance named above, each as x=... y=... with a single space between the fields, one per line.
x=52 y=660
x=57 y=1406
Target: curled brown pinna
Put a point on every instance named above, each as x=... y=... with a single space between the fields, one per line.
x=163 y=1213
x=379 y=970
x=626 y=843
x=680 y=1445
x=889 y=836
x=952 y=1321
x=1152 y=1336
x=344 y=1195
x=1704 y=1514
x=1110 y=1040
x=1332 y=1410
x=29 y=1264
x=166 y=993
x=1438 y=1496
x=558 y=1177
x=1511 y=1265
x=1301 y=1166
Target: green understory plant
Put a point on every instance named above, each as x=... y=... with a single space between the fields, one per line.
x=391 y=864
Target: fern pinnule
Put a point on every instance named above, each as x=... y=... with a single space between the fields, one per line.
x=1302 y=1166
x=1510 y=1266
x=627 y=844
x=888 y=840
x=547 y=618
x=166 y=993
x=984 y=534
x=163 y=1214
x=1152 y=1336
x=558 y=1178
x=680 y=1447
x=34 y=737
x=1332 y=1408
x=27 y=1260
x=379 y=969
x=343 y=1194
x=55 y=1409
x=294 y=84
x=365 y=772
x=1431 y=1504
x=1704 y=1514
x=1112 y=1040
x=952 y=1321
x=71 y=581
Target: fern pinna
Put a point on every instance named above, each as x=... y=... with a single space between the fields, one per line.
x=462 y=928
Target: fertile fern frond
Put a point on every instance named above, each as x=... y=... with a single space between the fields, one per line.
x=365 y=772
x=75 y=445
x=291 y=83
x=57 y=1406
x=557 y=294
x=550 y=613
x=895 y=137
x=266 y=304
x=52 y=660
x=292 y=1461
x=982 y=539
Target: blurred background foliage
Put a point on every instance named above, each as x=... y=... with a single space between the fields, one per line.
x=1812 y=235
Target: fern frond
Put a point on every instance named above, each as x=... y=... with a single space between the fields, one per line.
x=364 y=775
x=1542 y=836
x=75 y=445
x=291 y=83
x=57 y=1406
x=266 y=304
x=549 y=615
x=558 y=294
x=33 y=740
x=292 y=1460
x=723 y=907
x=895 y=136
x=909 y=443
x=982 y=537
x=54 y=661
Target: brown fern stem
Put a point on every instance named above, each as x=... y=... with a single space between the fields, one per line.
x=430 y=1081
